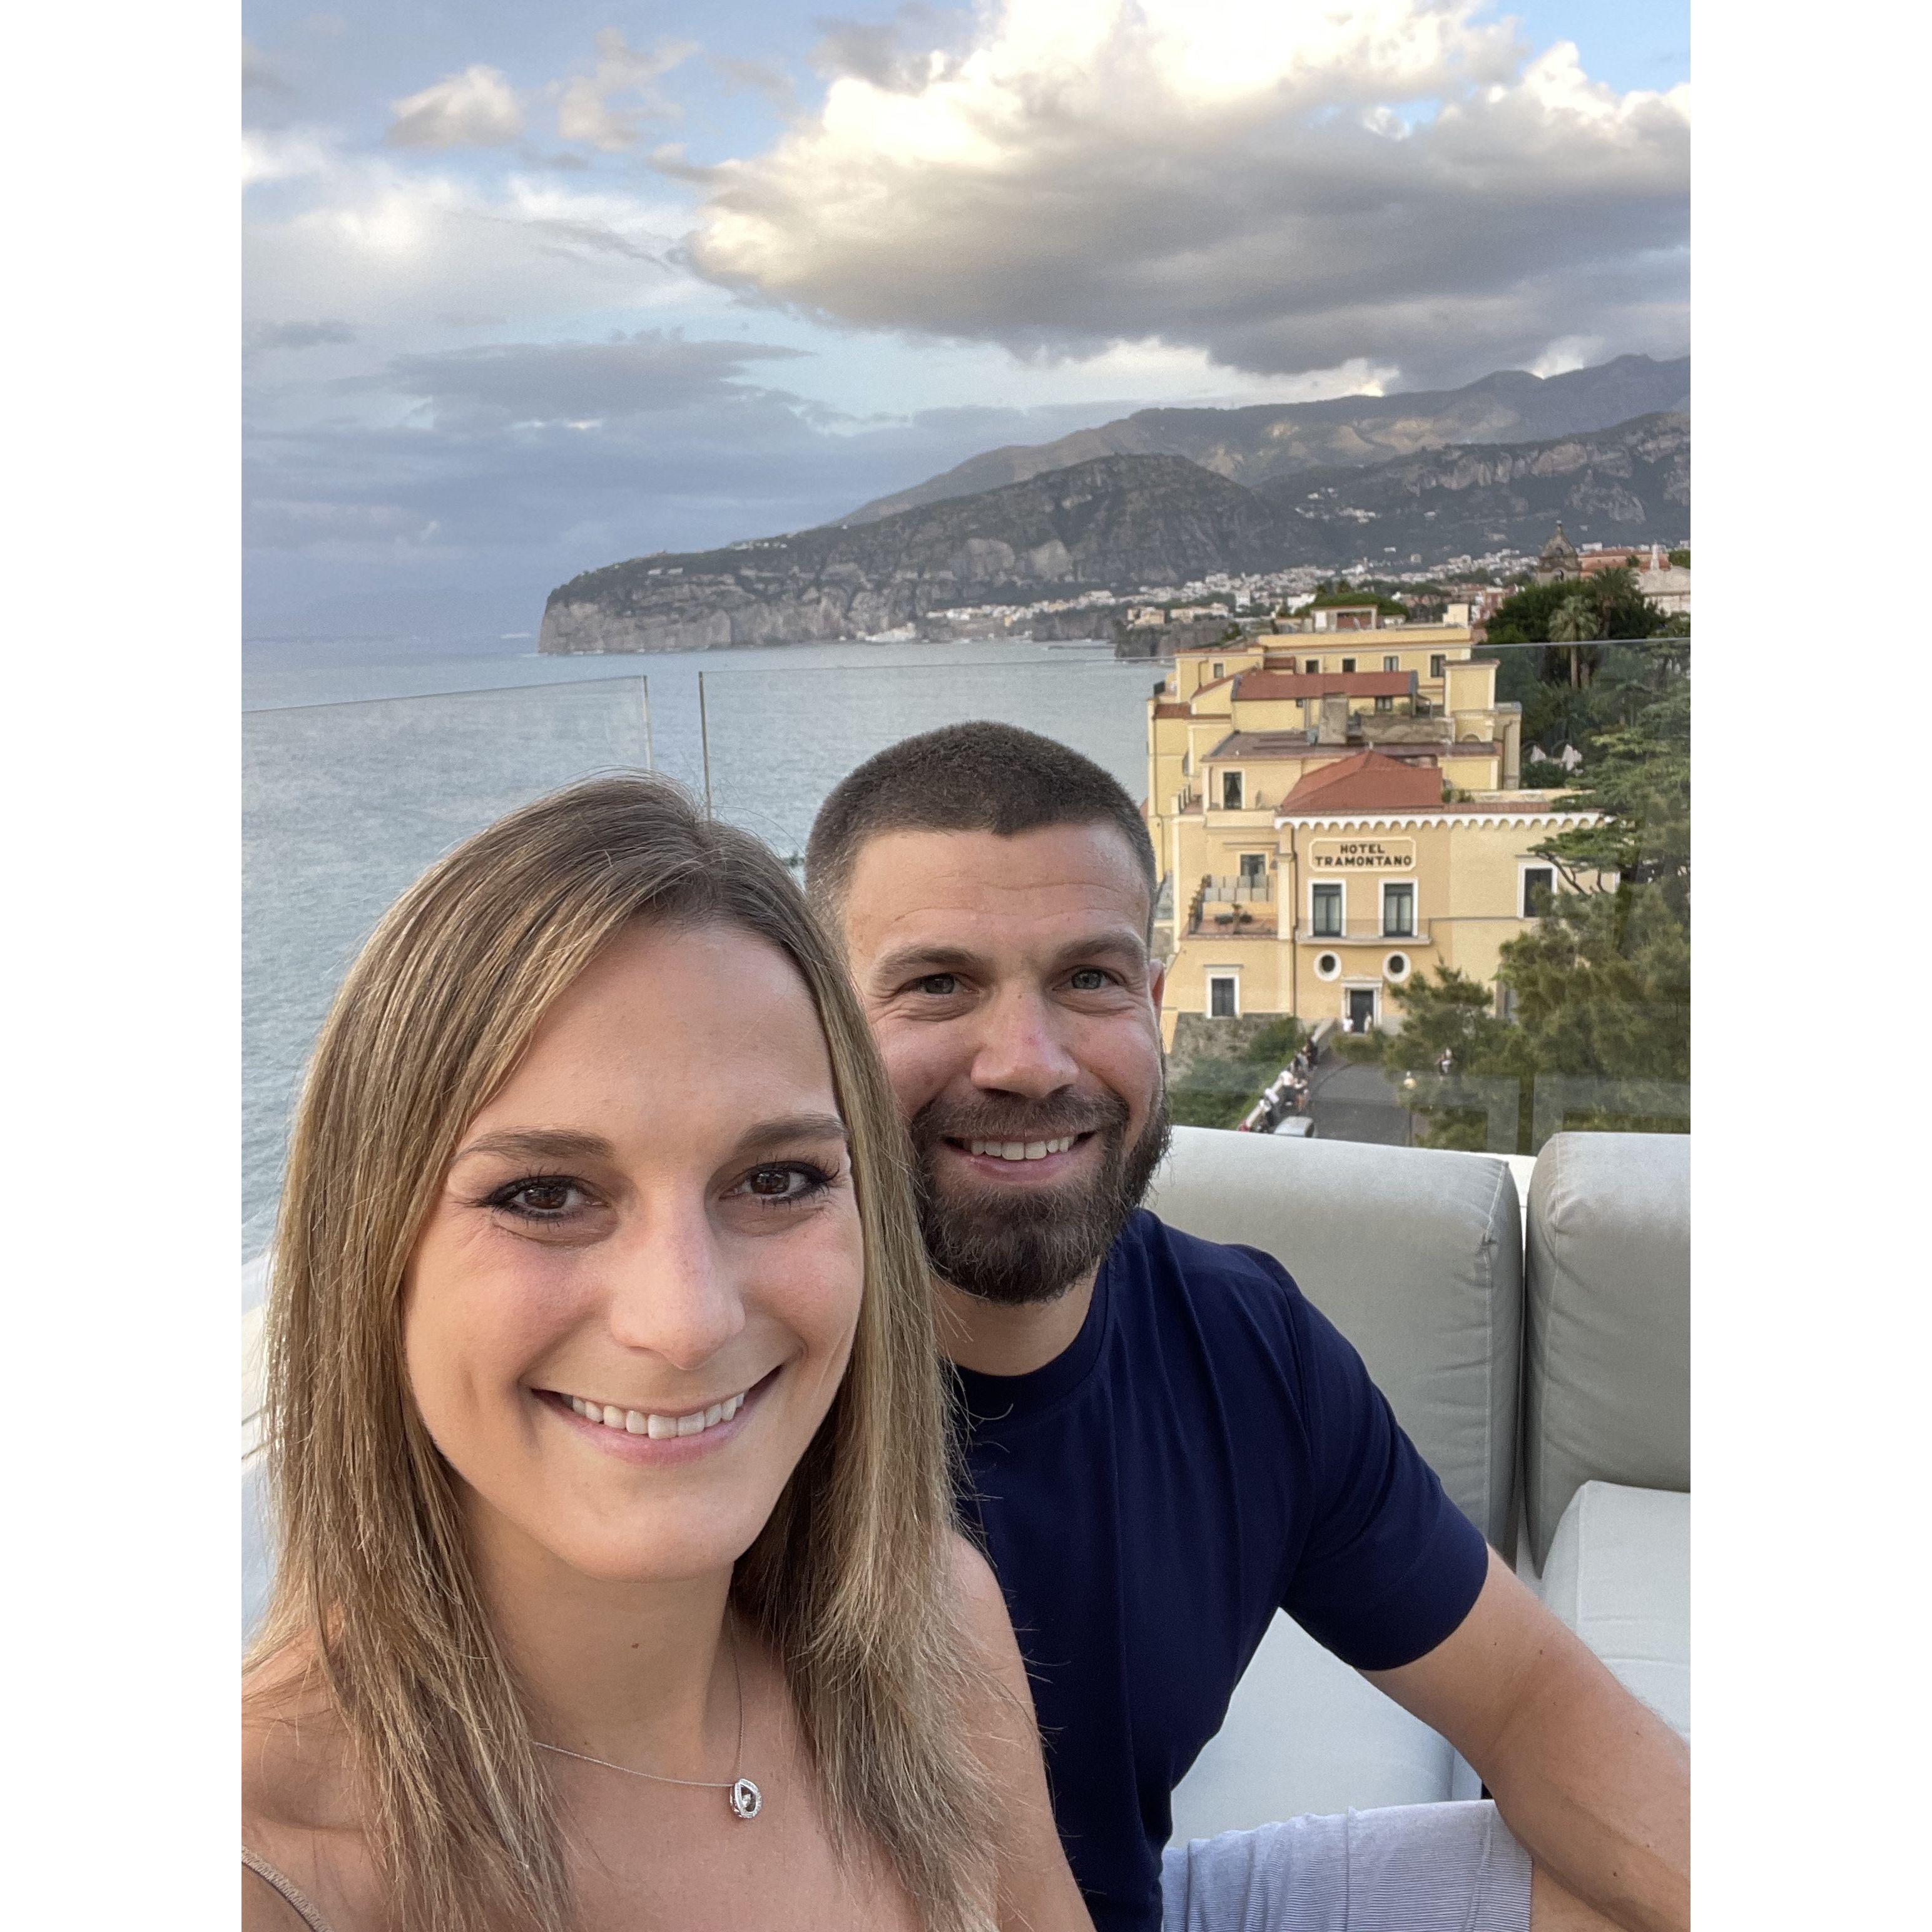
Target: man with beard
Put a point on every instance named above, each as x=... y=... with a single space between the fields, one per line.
x=1166 y=1442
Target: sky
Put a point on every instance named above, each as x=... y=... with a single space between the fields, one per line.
x=528 y=290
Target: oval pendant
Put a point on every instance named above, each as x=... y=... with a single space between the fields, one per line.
x=745 y=1802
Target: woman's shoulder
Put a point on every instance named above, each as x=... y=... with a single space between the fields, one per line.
x=1036 y=1888
x=294 y=1748
x=298 y=1812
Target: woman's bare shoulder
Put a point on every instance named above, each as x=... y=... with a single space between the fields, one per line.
x=1036 y=1889
x=983 y=1617
x=298 y=1809
x=294 y=1754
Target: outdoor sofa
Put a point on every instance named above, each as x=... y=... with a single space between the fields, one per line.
x=1540 y=1360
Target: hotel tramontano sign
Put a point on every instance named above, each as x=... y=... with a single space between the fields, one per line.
x=1362 y=855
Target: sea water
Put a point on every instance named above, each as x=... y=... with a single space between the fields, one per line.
x=363 y=761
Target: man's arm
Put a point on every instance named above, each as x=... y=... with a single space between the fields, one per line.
x=1595 y=1786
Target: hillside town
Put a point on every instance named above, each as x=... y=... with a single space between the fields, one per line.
x=1468 y=589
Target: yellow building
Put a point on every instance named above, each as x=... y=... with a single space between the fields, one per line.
x=1324 y=834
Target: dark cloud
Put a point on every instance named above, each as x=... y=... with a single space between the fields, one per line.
x=258 y=76
x=651 y=372
x=759 y=76
x=300 y=334
x=891 y=54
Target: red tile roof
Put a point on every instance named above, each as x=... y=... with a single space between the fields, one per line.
x=1253 y=687
x=1367 y=780
x=1174 y=711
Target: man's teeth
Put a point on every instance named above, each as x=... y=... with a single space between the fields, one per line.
x=1020 y=1150
x=642 y=1422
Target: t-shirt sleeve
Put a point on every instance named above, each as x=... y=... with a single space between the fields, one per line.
x=1389 y=1566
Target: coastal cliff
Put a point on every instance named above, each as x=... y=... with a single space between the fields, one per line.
x=1105 y=525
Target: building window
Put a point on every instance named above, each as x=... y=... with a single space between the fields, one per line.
x=1222 y=1003
x=1313 y=666
x=1327 y=965
x=1325 y=905
x=1399 y=908
x=1254 y=867
x=1231 y=791
x=1218 y=670
x=1436 y=664
x=1539 y=882
x=1384 y=703
x=1395 y=966
x=1391 y=664
x=1347 y=667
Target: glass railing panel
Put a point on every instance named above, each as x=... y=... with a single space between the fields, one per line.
x=344 y=805
x=1576 y=1018
x=778 y=740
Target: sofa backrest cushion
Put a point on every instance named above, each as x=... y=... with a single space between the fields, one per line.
x=1606 y=1391
x=1415 y=1255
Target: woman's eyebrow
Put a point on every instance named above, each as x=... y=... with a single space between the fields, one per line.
x=540 y=1143
x=791 y=1127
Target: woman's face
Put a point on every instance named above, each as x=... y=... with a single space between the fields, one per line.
x=630 y=1306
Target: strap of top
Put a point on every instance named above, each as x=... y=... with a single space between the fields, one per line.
x=305 y=1908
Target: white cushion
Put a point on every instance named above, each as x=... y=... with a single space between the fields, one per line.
x=1619 y=1575
x=1303 y=1734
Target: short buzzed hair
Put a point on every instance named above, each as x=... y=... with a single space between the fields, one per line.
x=980 y=777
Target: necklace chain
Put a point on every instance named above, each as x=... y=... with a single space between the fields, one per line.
x=746 y=1800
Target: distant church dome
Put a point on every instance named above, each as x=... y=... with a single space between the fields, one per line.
x=1558 y=559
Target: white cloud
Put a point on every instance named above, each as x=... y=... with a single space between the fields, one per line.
x=1285 y=185
x=284 y=154
x=586 y=109
x=388 y=247
x=477 y=108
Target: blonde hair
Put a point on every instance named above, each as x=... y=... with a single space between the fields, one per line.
x=374 y=1591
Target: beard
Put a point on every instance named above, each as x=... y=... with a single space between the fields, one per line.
x=1017 y=1245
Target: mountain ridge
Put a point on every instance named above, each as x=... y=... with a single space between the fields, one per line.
x=1253 y=442
x=1120 y=524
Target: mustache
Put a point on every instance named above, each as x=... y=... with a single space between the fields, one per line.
x=991 y=1119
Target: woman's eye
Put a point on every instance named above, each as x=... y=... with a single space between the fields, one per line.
x=940 y=985
x=783 y=1185
x=547 y=1199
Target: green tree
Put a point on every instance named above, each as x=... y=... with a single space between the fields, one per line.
x=1599 y=986
x=1575 y=621
x=1449 y=1012
x=1639 y=782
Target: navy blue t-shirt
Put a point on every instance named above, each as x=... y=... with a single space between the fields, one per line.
x=1207 y=1450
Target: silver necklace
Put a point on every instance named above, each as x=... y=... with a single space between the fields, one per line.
x=746 y=1801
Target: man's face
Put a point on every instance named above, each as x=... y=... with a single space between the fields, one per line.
x=1008 y=987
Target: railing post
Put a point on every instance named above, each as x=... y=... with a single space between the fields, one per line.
x=704 y=742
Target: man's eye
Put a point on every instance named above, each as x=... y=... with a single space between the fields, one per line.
x=940 y=985
x=1087 y=980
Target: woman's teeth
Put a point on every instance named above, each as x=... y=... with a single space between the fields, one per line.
x=642 y=1422
x=1020 y=1150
